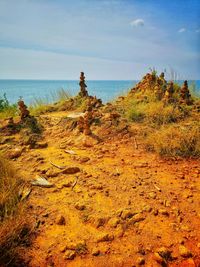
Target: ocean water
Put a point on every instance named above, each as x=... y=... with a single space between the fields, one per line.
x=31 y=89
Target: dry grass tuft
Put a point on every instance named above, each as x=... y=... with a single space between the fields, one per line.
x=14 y=226
x=175 y=140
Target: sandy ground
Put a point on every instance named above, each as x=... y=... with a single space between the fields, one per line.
x=122 y=207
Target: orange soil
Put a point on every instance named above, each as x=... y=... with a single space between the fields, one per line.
x=117 y=193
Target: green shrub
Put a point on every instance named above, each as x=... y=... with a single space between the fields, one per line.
x=7 y=109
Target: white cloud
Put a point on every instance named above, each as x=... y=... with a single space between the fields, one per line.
x=137 y=22
x=182 y=30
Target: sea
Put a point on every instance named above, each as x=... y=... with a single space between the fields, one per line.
x=30 y=90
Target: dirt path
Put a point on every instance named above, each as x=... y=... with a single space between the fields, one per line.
x=121 y=207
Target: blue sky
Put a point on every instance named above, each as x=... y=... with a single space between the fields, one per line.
x=107 y=39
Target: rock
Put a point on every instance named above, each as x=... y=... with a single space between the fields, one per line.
x=119 y=231
x=167 y=203
x=184 y=252
x=164 y=253
x=71 y=152
x=80 y=206
x=41 y=145
x=140 y=261
x=163 y=212
x=52 y=173
x=147 y=208
x=42 y=182
x=16 y=153
x=71 y=170
x=155 y=212
x=70 y=255
x=89 y=141
x=61 y=220
x=100 y=222
x=152 y=195
x=158 y=258
x=105 y=238
x=68 y=184
x=113 y=222
x=95 y=252
x=96 y=186
x=127 y=214
x=137 y=218
x=82 y=159
x=81 y=248
x=185 y=228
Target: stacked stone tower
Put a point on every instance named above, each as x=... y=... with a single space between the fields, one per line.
x=168 y=97
x=185 y=96
x=83 y=86
x=23 y=109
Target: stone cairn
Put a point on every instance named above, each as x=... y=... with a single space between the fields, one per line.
x=83 y=92
x=163 y=90
x=168 y=97
x=185 y=96
x=23 y=109
x=161 y=86
x=86 y=120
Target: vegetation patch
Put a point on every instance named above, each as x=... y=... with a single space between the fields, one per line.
x=6 y=109
x=14 y=226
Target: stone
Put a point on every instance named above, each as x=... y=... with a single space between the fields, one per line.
x=80 y=206
x=83 y=159
x=16 y=153
x=184 y=252
x=23 y=109
x=113 y=222
x=41 y=144
x=100 y=222
x=81 y=248
x=163 y=212
x=185 y=96
x=152 y=195
x=168 y=97
x=127 y=214
x=137 y=218
x=52 y=173
x=140 y=261
x=61 y=220
x=158 y=258
x=147 y=208
x=95 y=252
x=105 y=238
x=83 y=86
x=164 y=253
x=70 y=255
x=71 y=170
x=42 y=182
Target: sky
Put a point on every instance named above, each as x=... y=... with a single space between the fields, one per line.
x=107 y=39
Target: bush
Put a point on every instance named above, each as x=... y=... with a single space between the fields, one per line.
x=7 y=109
x=176 y=140
x=156 y=113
